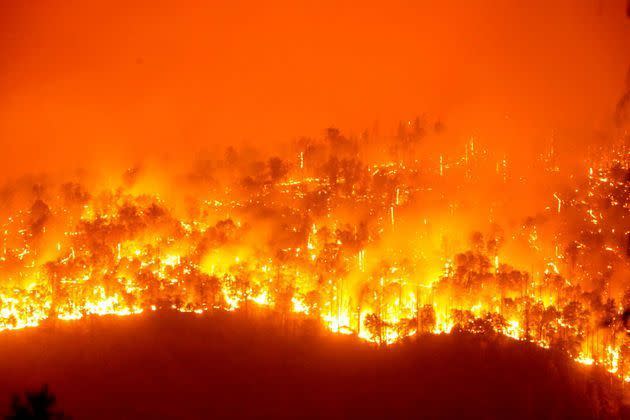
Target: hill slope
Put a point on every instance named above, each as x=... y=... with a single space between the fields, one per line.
x=172 y=365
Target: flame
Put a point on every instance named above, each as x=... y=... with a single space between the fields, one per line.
x=123 y=253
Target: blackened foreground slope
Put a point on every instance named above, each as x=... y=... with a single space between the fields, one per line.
x=185 y=366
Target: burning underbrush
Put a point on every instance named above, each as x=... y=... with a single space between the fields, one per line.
x=382 y=247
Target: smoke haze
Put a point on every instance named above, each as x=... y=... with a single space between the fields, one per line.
x=117 y=81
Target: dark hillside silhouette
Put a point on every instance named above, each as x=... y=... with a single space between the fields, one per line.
x=172 y=365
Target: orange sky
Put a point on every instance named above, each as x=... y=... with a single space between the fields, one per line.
x=85 y=79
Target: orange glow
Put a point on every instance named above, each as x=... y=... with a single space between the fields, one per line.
x=149 y=162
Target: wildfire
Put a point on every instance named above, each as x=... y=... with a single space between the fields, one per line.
x=289 y=240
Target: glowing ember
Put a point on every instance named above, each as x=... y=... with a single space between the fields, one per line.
x=351 y=244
